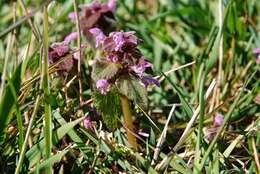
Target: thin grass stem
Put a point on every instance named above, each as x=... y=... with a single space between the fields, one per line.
x=46 y=89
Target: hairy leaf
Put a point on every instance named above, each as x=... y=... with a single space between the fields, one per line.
x=104 y=70
x=133 y=90
x=109 y=107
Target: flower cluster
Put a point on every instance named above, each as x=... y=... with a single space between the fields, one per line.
x=257 y=52
x=217 y=123
x=120 y=48
x=95 y=15
x=59 y=50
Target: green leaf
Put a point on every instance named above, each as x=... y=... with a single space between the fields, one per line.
x=50 y=161
x=104 y=70
x=109 y=106
x=133 y=90
x=8 y=101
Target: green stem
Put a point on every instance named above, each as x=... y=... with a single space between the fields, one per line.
x=128 y=121
x=46 y=89
x=201 y=119
x=25 y=143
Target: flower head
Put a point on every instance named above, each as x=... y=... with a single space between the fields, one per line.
x=121 y=48
x=103 y=86
x=88 y=123
x=121 y=41
x=218 y=120
x=96 y=15
x=56 y=52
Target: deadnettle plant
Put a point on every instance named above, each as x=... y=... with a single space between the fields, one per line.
x=57 y=51
x=120 y=61
x=217 y=123
x=119 y=73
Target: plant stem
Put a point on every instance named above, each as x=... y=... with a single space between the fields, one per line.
x=34 y=29
x=46 y=89
x=25 y=143
x=128 y=121
x=79 y=57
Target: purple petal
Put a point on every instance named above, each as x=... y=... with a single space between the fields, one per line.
x=218 y=120
x=100 y=37
x=72 y=16
x=111 y=4
x=149 y=81
x=141 y=67
x=88 y=123
x=257 y=51
x=71 y=37
x=51 y=56
x=119 y=40
x=76 y=55
x=102 y=86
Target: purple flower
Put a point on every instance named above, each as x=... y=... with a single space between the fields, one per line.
x=119 y=40
x=56 y=52
x=111 y=4
x=88 y=123
x=71 y=37
x=95 y=15
x=72 y=16
x=99 y=35
x=140 y=68
x=122 y=40
x=218 y=120
x=149 y=81
x=102 y=86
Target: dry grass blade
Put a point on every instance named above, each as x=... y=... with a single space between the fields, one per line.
x=186 y=132
x=162 y=138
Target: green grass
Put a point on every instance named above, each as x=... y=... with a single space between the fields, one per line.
x=42 y=112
